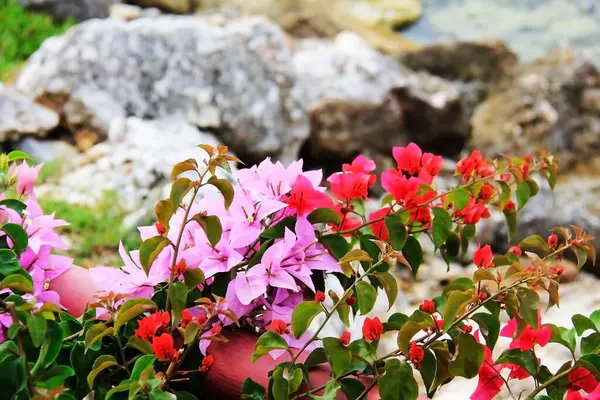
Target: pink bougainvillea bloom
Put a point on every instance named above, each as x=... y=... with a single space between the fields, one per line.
x=361 y=164
x=431 y=166
x=304 y=198
x=408 y=158
x=348 y=186
x=26 y=177
x=483 y=257
x=399 y=186
x=379 y=229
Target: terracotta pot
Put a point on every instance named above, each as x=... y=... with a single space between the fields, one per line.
x=232 y=363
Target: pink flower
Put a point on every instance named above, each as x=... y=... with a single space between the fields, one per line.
x=408 y=158
x=379 y=229
x=304 y=198
x=361 y=164
x=483 y=257
x=26 y=177
x=399 y=186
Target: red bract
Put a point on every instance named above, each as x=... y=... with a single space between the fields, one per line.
x=361 y=164
x=180 y=268
x=431 y=166
x=319 y=296
x=163 y=348
x=439 y=322
x=399 y=186
x=557 y=270
x=160 y=228
x=509 y=206
x=354 y=181
x=486 y=192
x=516 y=250
x=483 y=257
x=304 y=198
x=278 y=326
x=553 y=241
x=408 y=158
x=379 y=229
x=473 y=212
x=351 y=300
x=574 y=395
x=517 y=372
x=207 y=362
x=428 y=306
x=372 y=329
x=582 y=379
x=201 y=319
x=186 y=318
x=467 y=328
x=349 y=221
x=416 y=354
x=148 y=326
x=490 y=381
x=215 y=330
x=345 y=338
x=418 y=212
x=529 y=337
x=467 y=165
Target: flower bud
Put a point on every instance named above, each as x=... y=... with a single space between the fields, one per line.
x=319 y=297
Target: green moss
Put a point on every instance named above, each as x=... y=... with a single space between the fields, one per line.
x=94 y=232
x=21 y=33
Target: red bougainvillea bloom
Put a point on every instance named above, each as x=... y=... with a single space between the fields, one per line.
x=525 y=170
x=467 y=165
x=201 y=319
x=372 y=329
x=439 y=322
x=160 y=228
x=581 y=379
x=517 y=372
x=505 y=176
x=351 y=300
x=403 y=189
x=180 y=268
x=467 y=328
x=163 y=348
x=557 y=270
x=379 y=229
x=473 y=212
x=345 y=338
x=482 y=296
x=428 y=306
x=431 y=166
x=574 y=395
x=148 y=326
x=553 y=241
x=354 y=181
x=408 y=158
x=490 y=381
x=207 y=362
x=361 y=164
x=186 y=318
x=349 y=221
x=420 y=208
x=529 y=337
x=486 y=192
x=278 y=326
x=484 y=169
x=484 y=257
x=516 y=250
x=215 y=330
x=319 y=296
x=416 y=354
x=509 y=206
x=304 y=198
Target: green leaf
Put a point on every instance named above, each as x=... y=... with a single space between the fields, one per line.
x=224 y=186
x=211 y=225
x=461 y=284
x=364 y=350
x=352 y=388
x=457 y=300
x=142 y=363
x=103 y=362
x=324 y=215
x=366 y=295
x=9 y=263
x=398 y=382
x=36 y=325
x=316 y=357
x=252 y=390
x=280 y=387
x=529 y=303
x=179 y=189
x=390 y=286
x=343 y=311
x=562 y=336
x=303 y=315
x=523 y=359
x=590 y=343
x=157 y=394
x=459 y=196
x=582 y=323
x=511 y=222
x=94 y=335
x=338 y=355
x=413 y=253
x=355 y=255
x=141 y=345
x=124 y=386
x=56 y=376
x=489 y=326
x=397 y=231
x=131 y=309
x=411 y=327
x=266 y=342
x=193 y=277
x=179 y=294
x=164 y=212
x=278 y=230
x=13 y=378
x=17 y=235
x=330 y=392
x=523 y=194
x=50 y=347
x=150 y=249
x=17 y=283
x=336 y=244
x=296 y=379
x=16 y=155
x=466 y=235
x=14 y=204
x=441 y=226
x=581 y=255
x=537 y=242
x=395 y=322
x=468 y=359
x=188 y=165
x=505 y=192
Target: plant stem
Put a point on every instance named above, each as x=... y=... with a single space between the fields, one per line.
x=122 y=352
x=550 y=382
x=365 y=393
x=13 y=313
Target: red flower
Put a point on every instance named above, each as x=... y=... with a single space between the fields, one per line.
x=428 y=306
x=408 y=158
x=148 y=326
x=482 y=296
x=557 y=270
x=467 y=329
x=399 y=186
x=484 y=170
x=582 y=379
x=486 y=192
x=160 y=228
x=186 y=318
x=163 y=348
x=351 y=300
x=180 y=268
x=215 y=330
x=345 y=338
x=416 y=354
x=529 y=337
x=573 y=395
x=467 y=165
x=505 y=176
x=349 y=221
x=483 y=257
x=361 y=164
x=421 y=214
x=278 y=326
x=372 y=329
x=528 y=158
x=490 y=381
x=517 y=372
x=304 y=198
x=354 y=181
x=553 y=241
x=379 y=229
x=207 y=362
x=431 y=166
x=473 y=212
x=319 y=296
x=525 y=170
x=509 y=206
x=516 y=250
x=201 y=319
